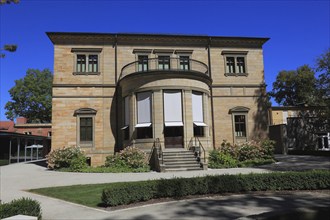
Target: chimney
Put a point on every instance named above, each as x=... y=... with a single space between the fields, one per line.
x=21 y=120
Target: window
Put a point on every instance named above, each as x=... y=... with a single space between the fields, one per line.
x=49 y=134
x=184 y=63
x=144 y=112
x=86 y=129
x=86 y=60
x=240 y=126
x=28 y=132
x=142 y=63
x=85 y=126
x=198 y=114
x=164 y=62
x=235 y=63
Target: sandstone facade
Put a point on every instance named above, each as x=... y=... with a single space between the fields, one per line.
x=194 y=66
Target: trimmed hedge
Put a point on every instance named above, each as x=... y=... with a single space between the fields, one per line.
x=23 y=206
x=131 y=192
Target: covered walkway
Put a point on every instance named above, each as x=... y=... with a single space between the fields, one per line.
x=16 y=147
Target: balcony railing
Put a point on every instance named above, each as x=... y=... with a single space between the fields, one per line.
x=161 y=64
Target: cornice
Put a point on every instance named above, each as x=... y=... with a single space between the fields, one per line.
x=75 y=38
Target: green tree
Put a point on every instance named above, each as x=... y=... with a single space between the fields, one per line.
x=323 y=81
x=2 y=2
x=8 y=47
x=31 y=97
x=295 y=87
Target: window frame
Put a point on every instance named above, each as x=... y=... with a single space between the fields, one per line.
x=163 y=60
x=184 y=61
x=85 y=113
x=87 y=52
x=142 y=64
x=240 y=111
x=144 y=130
x=235 y=55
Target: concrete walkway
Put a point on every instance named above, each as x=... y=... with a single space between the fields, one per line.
x=16 y=178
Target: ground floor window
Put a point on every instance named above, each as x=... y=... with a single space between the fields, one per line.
x=240 y=126
x=144 y=132
x=198 y=131
x=85 y=126
x=144 y=115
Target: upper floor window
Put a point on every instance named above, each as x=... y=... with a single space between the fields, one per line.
x=184 y=63
x=142 y=63
x=86 y=61
x=235 y=63
x=164 y=62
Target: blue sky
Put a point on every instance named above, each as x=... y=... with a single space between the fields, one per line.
x=299 y=30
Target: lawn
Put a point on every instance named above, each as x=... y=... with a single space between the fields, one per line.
x=4 y=162
x=88 y=195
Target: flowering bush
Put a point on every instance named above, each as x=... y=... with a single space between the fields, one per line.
x=66 y=157
x=131 y=157
x=251 y=152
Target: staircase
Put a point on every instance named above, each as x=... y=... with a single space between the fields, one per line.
x=179 y=160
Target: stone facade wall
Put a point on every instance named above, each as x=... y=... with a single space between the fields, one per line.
x=99 y=91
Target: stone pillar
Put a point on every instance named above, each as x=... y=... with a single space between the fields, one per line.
x=187 y=116
x=158 y=115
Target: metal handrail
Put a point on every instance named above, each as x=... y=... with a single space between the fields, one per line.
x=161 y=64
x=191 y=144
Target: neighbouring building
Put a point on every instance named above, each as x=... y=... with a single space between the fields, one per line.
x=115 y=90
x=22 y=141
x=299 y=128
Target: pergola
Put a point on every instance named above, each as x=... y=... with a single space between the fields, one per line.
x=18 y=147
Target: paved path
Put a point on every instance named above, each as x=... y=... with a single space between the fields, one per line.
x=16 y=178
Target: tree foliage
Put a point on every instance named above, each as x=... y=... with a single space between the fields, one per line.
x=2 y=2
x=31 y=97
x=8 y=47
x=295 y=87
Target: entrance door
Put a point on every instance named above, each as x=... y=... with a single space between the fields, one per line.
x=173 y=137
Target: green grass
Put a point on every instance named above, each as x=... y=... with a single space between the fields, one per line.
x=88 y=195
x=4 y=162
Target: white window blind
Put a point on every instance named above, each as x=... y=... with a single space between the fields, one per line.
x=144 y=109
x=173 y=108
x=197 y=105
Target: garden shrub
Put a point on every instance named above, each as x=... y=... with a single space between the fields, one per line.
x=67 y=157
x=130 y=192
x=23 y=206
x=218 y=159
x=251 y=153
x=130 y=157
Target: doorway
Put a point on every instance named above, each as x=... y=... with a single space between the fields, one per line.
x=173 y=137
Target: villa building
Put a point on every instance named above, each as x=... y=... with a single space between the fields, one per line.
x=115 y=90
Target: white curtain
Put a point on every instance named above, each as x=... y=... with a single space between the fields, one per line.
x=144 y=108
x=173 y=108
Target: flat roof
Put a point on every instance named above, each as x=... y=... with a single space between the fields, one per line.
x=19 y=135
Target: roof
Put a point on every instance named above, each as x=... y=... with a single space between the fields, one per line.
x=297 y=107
x=153 y=39
x=5 y=134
